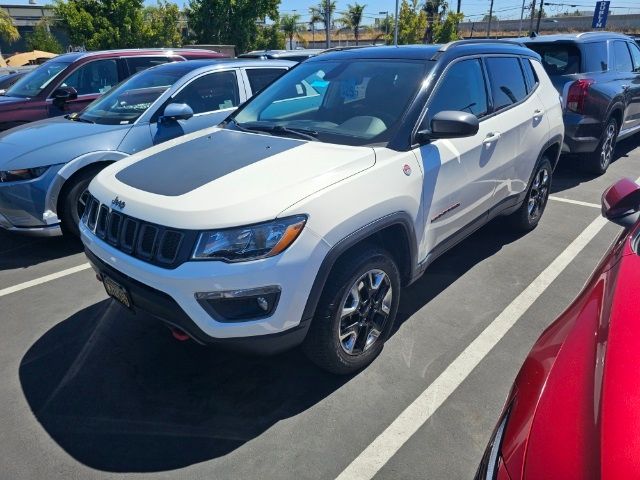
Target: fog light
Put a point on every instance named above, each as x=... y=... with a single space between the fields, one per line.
x=243 y=305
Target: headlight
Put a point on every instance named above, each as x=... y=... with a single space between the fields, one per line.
x=249 y=243
x=22 y=174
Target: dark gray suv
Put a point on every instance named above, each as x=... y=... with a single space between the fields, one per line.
x=598 y=77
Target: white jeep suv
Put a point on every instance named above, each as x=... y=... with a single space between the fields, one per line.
x=299 y=219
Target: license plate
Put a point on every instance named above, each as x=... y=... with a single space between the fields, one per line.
x=117 y=291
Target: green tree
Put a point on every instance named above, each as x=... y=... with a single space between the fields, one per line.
x=42 y=39
x=270 y=37
x=102 y=24
x=319 y=14
x=162 y=25
x=435 y=11
x=290 y=25
x=486 y=18
x=8 y=32
x=412 y=22
x=230 y=21
x=447 y=31
x=352 y=19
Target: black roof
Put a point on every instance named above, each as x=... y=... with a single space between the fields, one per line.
x=428 y=52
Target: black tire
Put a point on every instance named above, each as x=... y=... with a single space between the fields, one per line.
x=598 y=161
x=323 y=344
x=528 y=215
x=70 y=201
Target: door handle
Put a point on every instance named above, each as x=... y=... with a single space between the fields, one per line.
x=491 y=137
x=537 y=113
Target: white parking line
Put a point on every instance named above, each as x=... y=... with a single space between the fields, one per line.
x=378 y=453
x=45 y=279
x=574 y=202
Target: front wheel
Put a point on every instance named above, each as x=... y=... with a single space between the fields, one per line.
x=530 y=212
x=73 y=201
x=356 y=312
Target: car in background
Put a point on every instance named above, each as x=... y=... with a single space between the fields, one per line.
x=8 y=79
x=45 y=166
x=574 y=409
x=68 y=83
x=300 y=218
x=597 y=75
x=299 y=55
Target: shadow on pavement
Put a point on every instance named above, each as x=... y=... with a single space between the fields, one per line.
x=117 y=393
x=21 y=251
x=568 y=174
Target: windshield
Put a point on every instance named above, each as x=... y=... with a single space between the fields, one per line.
x=351 y=102
x=37 y=80
x=125 y=103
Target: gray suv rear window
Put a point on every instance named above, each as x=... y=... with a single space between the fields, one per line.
x=558 y=58
x=595 y=57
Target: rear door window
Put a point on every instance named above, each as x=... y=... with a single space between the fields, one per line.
x=261 y=77
x=635 y=55
x=558 y=59
x=595 y=57
x=137 y=64
x=621 y=57
x=507 y=81
x=461 y=89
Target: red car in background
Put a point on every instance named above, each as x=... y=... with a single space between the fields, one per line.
x=574 y=409
x=68 y=83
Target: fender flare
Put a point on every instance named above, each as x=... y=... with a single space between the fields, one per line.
x=398 y=218
x=74 y=166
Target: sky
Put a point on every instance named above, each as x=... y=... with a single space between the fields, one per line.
x=473 y=9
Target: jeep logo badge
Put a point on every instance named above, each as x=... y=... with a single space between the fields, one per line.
x=116 y=202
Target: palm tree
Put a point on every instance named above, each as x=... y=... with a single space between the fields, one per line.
x=352 y=18
x=321 y=14
x=8 y=32
x=435 y=10
x=290 y=25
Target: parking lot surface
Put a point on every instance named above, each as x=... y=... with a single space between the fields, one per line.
x=90 y=390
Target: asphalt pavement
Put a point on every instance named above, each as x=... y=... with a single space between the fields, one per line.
x=92 y=391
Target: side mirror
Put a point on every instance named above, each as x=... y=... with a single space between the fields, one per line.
x=62 y=95
x=450 y=124
x=621 y=201
x=176 y=111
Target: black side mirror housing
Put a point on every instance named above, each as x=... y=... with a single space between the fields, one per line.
x=61 y=95
x=449 y=124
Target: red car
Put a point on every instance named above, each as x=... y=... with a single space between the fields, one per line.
x=574 y=409
x=68 y=83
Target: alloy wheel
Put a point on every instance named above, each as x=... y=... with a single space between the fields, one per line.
x=364 y=312
x=608 y=145
x=538 y=194
x=82 y=203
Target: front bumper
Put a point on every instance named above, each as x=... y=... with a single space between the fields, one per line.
x=25 y=206
x=170 y=294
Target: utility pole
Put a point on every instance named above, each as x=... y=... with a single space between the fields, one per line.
x=395 y=32
x=521 y=17
x=539 y=16
x=458 y=9
x=533 y=15
x=327 y=21
x=489 y=24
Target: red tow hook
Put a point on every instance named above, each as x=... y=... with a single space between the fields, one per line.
x=179 y=335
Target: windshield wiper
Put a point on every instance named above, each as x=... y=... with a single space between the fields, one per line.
x=78 y=118
x=305 y=133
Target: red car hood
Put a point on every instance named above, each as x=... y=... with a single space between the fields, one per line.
x=576 y=401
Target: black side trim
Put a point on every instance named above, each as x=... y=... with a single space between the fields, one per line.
x=398 y=218
x=161 y=306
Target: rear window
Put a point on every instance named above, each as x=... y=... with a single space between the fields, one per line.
x=558 y=59
x=595 y=57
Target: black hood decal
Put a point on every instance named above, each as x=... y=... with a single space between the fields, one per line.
x=190 y=165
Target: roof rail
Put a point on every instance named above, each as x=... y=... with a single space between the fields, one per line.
x=471 y=41
x=613 y=34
